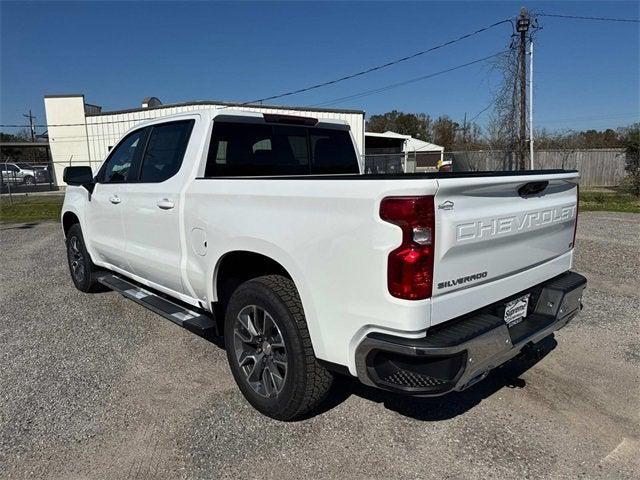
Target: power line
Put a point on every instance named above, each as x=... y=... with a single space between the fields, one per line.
x=380 y=67
x=482 y=111
x=361 y=94
x=578 y=17
x=469 y=122
x=406 y=82
x=87 y=124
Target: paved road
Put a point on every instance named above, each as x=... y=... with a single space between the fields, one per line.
x=94 y=386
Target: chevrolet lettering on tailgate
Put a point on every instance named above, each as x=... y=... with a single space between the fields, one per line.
x=493 y=227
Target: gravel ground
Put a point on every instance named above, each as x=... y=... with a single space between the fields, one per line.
x=95 y=386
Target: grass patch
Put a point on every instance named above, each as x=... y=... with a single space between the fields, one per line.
x=30 y=208
x=608 y=200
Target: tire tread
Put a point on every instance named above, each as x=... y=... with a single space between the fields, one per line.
x=318 y=379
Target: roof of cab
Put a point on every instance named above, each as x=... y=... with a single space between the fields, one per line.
x=211 y=113
x=228 y=105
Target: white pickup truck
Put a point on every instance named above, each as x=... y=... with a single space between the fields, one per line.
x=262 y=228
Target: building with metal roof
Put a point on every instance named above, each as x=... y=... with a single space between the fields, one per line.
x=81 y=133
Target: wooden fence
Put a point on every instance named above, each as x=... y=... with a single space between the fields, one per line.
x=597 y=167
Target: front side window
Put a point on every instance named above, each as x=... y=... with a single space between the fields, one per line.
x=256 y=149
x=117 y=167
x=165 y=150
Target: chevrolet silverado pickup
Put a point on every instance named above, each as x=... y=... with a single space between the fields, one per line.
x=263 y=229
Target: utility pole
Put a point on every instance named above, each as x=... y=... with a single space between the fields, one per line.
x=31 y=128
x=464 y=131
x=531 y=104
x=523 y=28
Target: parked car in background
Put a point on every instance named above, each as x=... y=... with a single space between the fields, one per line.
x=19 y=173
x=40 y=170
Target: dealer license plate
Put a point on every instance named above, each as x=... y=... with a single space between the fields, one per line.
x=516 y=310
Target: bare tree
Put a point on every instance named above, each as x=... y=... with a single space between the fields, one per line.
x=502 y=129
x=23 y=135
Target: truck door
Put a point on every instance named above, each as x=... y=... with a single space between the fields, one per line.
x=151 y=216
x=109 y=198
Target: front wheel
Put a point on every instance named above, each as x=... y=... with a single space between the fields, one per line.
x=269 y=349
x=83 y=271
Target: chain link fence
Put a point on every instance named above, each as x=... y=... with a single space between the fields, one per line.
x=390 y=163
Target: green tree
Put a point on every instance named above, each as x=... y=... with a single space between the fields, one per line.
x=444 y=132
x=9 y=137
x=418 y=125
x=632 y=157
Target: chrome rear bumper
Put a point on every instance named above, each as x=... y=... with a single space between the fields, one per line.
x=463 y=351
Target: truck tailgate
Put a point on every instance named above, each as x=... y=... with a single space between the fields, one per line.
x=494 y=228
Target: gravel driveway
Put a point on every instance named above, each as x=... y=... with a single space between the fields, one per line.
x=95 y=386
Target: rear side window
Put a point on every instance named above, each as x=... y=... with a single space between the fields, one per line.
x=256 y=149
x=332 y=152
x=165 y=150
x=252 y=149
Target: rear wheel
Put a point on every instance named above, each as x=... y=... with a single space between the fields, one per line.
x=269 y=349
x=83 y=271
x=29 y=180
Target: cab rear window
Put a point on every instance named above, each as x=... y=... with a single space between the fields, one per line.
x=261 y=149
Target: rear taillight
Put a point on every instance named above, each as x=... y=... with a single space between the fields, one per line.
x=575 y=224
x=410 y=266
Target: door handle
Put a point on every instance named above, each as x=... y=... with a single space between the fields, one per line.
x=115 y=199
x=165 y=204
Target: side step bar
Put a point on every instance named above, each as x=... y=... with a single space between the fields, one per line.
x=189 y=319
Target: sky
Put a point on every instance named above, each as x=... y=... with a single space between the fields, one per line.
x=586 y=73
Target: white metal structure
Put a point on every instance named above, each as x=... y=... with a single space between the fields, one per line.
x=412 y=148
x=415 y=145
x=352 y=246
x=531 y=105
x=82 y=136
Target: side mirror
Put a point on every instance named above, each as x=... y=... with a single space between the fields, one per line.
x=79 y=176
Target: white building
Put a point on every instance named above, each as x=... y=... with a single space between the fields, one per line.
x=391 y=151
x=81 y=133
x=427 y=156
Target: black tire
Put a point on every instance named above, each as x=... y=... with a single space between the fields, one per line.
x=306 y=382
x=83 y=272
x=29 y=180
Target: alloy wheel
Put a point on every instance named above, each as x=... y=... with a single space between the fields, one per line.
x=260 y=351
x=76 y=259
